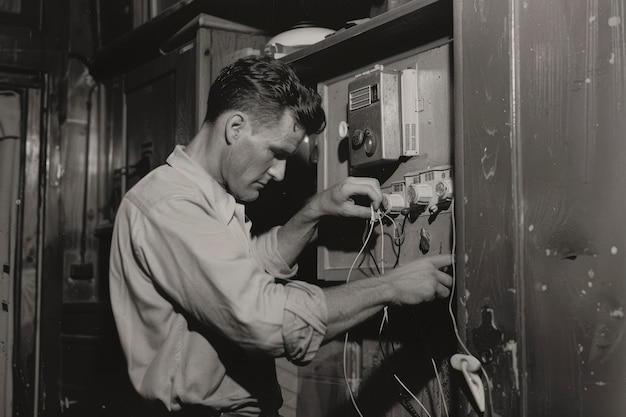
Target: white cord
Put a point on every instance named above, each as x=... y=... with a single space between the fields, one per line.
x=411 y=394
x=441 y=396
x=345 y=342
x=345 y=376
x=385 y=319
x=452 y=290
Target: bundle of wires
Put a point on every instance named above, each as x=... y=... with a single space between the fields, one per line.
x=377 y=217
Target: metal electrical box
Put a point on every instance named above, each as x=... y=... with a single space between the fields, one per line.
x=382 y=116
x=374 y=117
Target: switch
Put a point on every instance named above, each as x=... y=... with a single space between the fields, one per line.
x=370 y=142
x=357 y=139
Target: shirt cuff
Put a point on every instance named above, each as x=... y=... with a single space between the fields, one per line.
x=304 y=322
x=266 y=251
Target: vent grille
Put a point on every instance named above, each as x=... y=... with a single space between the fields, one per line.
x=360 y=98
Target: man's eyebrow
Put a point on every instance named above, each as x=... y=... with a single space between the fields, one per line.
x=283 y=151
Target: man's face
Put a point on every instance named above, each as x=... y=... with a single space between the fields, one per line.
x=260 y=155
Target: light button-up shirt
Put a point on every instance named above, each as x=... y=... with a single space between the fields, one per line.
x=195 y=298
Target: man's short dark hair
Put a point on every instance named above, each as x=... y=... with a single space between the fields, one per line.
x=265 y=87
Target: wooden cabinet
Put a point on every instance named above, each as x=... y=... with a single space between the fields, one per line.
x=163 y=102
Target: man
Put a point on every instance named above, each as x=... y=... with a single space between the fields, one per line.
x=201 y=307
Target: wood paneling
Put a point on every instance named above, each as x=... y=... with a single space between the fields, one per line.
x=572 y=105
x=540 y=141
x=488 y=281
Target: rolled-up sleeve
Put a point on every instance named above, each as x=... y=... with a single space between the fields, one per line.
x=304 y=323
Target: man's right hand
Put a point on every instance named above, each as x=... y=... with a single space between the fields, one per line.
x=420 y=280
x=417 y=282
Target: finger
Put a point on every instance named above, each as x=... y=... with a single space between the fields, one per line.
x=354 y=210
x=366 y=187
x=439 y=261
x=364 y=180
x=444 y=278
x=442 y=291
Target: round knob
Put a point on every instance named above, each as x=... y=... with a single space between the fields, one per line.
x=370 y=142
x=420 y=194
x=357 y=138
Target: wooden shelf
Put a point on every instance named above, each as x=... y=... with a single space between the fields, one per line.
x=416 y=23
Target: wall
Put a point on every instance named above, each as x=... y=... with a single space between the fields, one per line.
x=541 y=122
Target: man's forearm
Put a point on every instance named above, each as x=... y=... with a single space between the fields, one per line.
x=352 y=303
x=297 y=233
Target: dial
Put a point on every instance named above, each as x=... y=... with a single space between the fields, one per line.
x=357 y=138
x=370 y=142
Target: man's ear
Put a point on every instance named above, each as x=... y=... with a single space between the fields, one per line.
x=234 y=127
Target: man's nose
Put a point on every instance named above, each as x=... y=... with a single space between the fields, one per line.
x=277 y=171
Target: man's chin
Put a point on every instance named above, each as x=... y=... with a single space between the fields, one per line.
x=249 y=197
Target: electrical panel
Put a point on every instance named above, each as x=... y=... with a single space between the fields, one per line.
x=391 y=121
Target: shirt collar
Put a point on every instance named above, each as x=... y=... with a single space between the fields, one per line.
x=219 y=198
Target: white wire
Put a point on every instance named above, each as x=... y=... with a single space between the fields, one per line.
x=452 y=289
x=345 y=342
x=382 y=245
x=385 y=319
x=345 y=376
x=442 y=397
x=411 y=394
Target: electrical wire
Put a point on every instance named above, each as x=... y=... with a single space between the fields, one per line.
x=451 y=312
x=385 y=318
x=345 y=343
x=411 y=394
x=453 y=287
x=398 y=239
